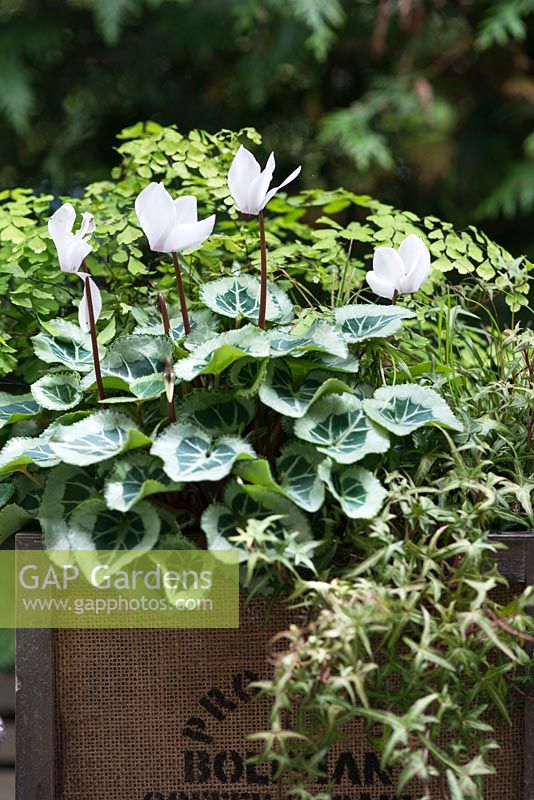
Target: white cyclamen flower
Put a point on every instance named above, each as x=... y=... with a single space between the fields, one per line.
x=170 y=225
x=72 y=248
x=249 y=186
x=399 y=271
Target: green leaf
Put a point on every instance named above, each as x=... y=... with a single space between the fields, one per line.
x=299 y=480
x=133 y=478
x=18 y=453
x=403 y=409
x=360 y=322
x=247 y=375
x=64 y=343
x=96 y=438
x=240 y=504
x=216 y=412
x=15 y=407
x=13 y=518
x=359 y=493
x=190 y=453
x=135 y=363
x=58 y=391
x=277 y=393
x=66 y=487
x=94 y=526
x=238 y=298
x=338 y=427
x=214 y=356
x=321 y=336
x=6 y=492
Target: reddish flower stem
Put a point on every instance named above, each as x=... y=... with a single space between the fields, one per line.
x=94 y=340
x=183 y=304
x=263 y=289
x=164 y=311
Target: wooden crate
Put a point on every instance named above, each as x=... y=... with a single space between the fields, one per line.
x=35 y=706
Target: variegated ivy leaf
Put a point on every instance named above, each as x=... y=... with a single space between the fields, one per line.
x=58 y=391
x=66 y=487
x=15 y=407
x=359 y=493
x=135 y=477
x=338 y=426
x=100 y=436
x=277 y=391
x=320 y=336
x=150 y=323
x=247 y=375
x=220 y=521
x=94 y=526
x=190 y=453
x=135 y=363
x=362 y=321
x=19 y=453
x=403 y=409
x=299 y=481
x=221 y=351
x=216 y=412
x=239 y=297
x=64 y=343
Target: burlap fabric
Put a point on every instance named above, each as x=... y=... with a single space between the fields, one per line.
x=163 y=715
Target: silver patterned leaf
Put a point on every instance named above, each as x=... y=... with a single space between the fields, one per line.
x=16 y=407
x=368 y=321
x=239 y=297
x=64 y=343
x=359 y=493
x=98 y=437
x=216 y=412
x=216 y=355
x=135 y=477
x=277 y=390
x=58 y=391
x=402 y=409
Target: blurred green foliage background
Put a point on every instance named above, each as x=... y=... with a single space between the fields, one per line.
x=427 y=104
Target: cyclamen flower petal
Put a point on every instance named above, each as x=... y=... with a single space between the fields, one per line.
x=72 y=248
x=171 y=225
x=401 y=271
x=249 y=185
x=96 y=300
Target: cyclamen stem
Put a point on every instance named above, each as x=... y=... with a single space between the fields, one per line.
x=183 y=304
x=394 y=298
x=164 y=311
x=94 y=340
x=263 y=288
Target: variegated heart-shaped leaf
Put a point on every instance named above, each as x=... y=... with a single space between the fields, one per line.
x=58 y=391
x=321 y=336
x=308 y=359
x=190 y=453
x=239 y=297
x=135 y=477
x=66 y=487
x=359 y=493
x=16 y=407
x=150 y=324
x=338 y=426
x=64 y=343
x=96 y=438
x=216 y=412
x=247 y=375
x=362 y=321
x=214 y=356
x=94 y=526
x=402 y=409
x=18 y=453
x=135 y=363
x=277 y=389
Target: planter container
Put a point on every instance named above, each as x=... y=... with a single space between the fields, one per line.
x=163 y=715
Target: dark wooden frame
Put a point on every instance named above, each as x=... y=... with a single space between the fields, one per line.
x=35 y=706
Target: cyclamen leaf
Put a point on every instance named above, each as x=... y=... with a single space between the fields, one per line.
x=150 y=324
x=403 y=409
x=277 y=393
x=239 y=298
x=216 y=412
x=58 y=391
x=222 y=520
x=321 y=336
x=338 y=427
x=12 y=518
x=93 y=526
x=6 y=492
x=361 y=321
x=247 y=375
x=64 y=343
x=66 y=488
x=135 y=363
x=190 y=453
x=15 y=407
x=134 y=478
x=214 y=356
x=359 y=493
x=333 y=363
x=96 y=438
x=22 y=451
